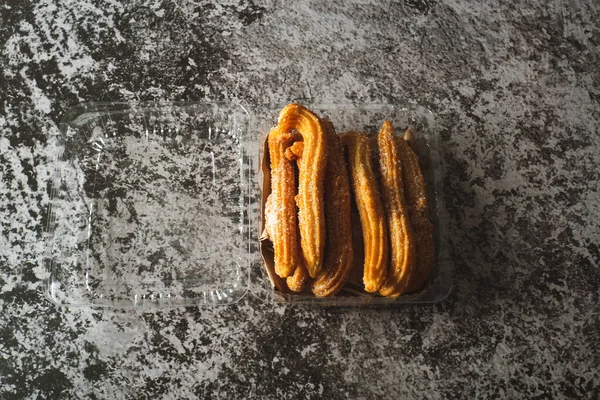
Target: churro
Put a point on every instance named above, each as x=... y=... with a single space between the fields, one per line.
x=401 y=234
x=280 y=210
x=339 y=253
x=370 y=209
x=416 y=200
x=296 y=119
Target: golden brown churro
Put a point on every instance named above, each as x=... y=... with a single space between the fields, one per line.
x=370 y=209
x=339 y=254
x=401 y=234
x=295 y=118
x=280 y=210
x=416 y=200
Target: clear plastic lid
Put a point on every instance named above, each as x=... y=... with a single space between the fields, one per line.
x=149 y=206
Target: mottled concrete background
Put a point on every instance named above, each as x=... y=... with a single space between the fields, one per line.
x=516 y=86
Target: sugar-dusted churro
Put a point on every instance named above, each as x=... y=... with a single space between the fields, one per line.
x=339 y=254
x=370 y=209
x=280 y=210
x=416 y=200
x=296 y=119
x=401 y=234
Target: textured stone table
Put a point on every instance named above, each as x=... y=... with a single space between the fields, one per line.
x=516 y=87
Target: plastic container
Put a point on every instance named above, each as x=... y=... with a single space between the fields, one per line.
x=368 y=118
x=158 y=204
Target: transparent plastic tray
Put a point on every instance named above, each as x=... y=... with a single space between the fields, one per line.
x=159 y=204
x=369 y=118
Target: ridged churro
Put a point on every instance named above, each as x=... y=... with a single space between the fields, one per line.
x=296 y=119
x=339 y=254
x=370 y=209
x=416 y=200
x=401 y=234
x=280 y=210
